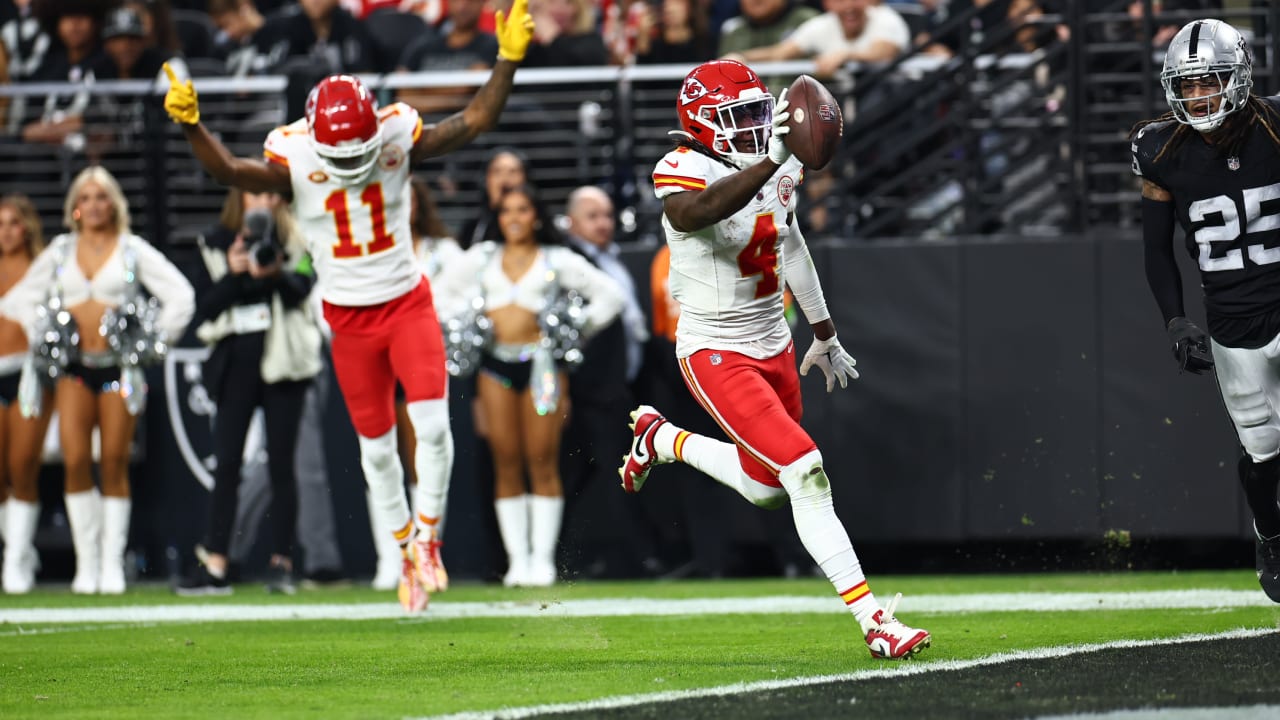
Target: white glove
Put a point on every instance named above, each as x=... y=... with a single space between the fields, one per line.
x=834 y=360
x=778 y=151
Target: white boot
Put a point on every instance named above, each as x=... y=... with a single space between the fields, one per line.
x=116 y=512
x=84 y=512
x=513 y=524
x=21 y=521
x=390 y=558
x=545 y=514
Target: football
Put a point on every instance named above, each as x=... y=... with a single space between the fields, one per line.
x=815 y=122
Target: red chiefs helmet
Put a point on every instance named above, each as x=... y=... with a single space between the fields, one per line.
x=342 y=117
x=724 y=105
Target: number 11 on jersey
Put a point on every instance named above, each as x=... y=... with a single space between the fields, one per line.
x=347 y=247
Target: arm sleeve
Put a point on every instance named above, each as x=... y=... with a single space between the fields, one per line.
x=166 y=282
x=604 y=297
x=458 y=283
x=802 y=276
x=19 y=304
x=1162 y=268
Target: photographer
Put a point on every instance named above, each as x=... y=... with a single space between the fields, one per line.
x=266 y=350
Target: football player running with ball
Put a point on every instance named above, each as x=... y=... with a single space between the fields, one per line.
x=346 y=167
x=729 y=211
x=1212 y=164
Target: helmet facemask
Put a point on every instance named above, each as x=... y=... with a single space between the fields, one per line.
x=1233 y=82
x=351 y=161
x=741 y=127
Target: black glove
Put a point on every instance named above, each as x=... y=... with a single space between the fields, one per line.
x=1190 y=346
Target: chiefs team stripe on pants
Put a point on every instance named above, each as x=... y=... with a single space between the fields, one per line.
x=686 y=369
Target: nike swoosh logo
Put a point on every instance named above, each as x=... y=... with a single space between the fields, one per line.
x=672 y=164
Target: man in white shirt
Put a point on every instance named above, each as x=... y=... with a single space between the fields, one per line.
x=850 y=31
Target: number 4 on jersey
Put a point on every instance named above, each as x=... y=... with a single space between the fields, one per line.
x=760 y=256
x=346 y=247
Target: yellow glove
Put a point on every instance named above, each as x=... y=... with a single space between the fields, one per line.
x=180 y=102
x=514 y=31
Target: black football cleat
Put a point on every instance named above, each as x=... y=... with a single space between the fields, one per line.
x=1267 y=559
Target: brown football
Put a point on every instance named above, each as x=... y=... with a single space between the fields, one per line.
x=815 y=122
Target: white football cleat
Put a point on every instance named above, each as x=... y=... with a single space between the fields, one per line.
x=413 y=597
x=889 y=639
x=645 y=422
x=427 y=561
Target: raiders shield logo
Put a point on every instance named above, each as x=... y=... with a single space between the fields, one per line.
x=191 y=410
x=693 y=89
x=1233 y=163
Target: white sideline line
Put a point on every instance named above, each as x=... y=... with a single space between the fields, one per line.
x=912 y=605
x=902 y=669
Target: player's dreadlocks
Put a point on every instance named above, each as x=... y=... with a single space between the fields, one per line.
x=684 y=141
x=1230 y=138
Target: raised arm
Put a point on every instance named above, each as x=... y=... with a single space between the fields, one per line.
x=693 y=210
x=513 y=32
x=252 y=175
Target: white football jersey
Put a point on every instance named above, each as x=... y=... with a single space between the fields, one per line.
x=358 y=236
x=728 y=277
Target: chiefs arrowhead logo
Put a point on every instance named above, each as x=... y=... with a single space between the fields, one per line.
x=786 y=187
x=693 y=89
x=391 y=158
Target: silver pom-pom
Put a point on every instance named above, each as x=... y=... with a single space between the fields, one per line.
x=562 y=323
x=132 y=332
x=57 y=340
x=465 y=340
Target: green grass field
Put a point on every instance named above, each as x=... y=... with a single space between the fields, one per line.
x=441 y=663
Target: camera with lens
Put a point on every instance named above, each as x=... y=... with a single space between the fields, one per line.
x=260 y=237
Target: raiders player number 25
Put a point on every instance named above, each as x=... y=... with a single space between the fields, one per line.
x=1213 y=164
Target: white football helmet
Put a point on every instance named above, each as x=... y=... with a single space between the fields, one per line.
x=1207 y=49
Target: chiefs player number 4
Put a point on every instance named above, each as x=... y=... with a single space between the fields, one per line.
x=760 y=256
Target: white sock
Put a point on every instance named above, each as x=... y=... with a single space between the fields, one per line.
x=545 y=515
x=824 y=536
x=513 y=525
x=433 y=461
x=385 y=478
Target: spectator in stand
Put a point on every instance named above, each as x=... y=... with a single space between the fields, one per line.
x=24 y=45
x=459 y=44
x=238 y=21
x=21 y=438
x=764 y=23
x=323 y=36
x=566 y=35
x=522 y=394
x=24 y=38
x=94 y=268
x=129 y=54
x=508 y=168
x=850 y=31
x=158 y=25
x=677 y=36
x=74 y=24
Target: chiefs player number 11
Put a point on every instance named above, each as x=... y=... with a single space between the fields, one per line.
x=346 y=247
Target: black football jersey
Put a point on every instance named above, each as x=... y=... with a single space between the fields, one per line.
x=1229 y=209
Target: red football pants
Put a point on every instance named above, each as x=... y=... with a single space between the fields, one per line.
x=756 y=402
x=376 y=345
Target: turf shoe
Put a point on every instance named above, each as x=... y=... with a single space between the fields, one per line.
x=413 y=597
x=645 y=422
x=201 y=583
x=889 y=639
x=1267 y=559
x=428 y=563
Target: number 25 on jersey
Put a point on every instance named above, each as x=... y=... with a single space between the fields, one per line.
x=347 y=246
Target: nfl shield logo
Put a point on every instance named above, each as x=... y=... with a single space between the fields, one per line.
x=716 y=359
x=1233 y=163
